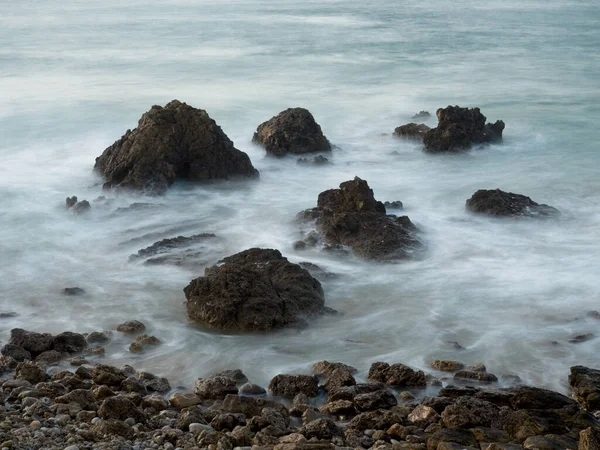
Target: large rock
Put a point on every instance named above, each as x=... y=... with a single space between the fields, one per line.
x=397 y=375
x=469 y=412
x=291 y=131
x=585 y=384
x=120 y=408
x=215 y=387
x=172 y=142
x=351 y=216
x=178 y=251
x=412 y=131
x=69 y=342
x=255 y=290
x=291 y=385
x=499 y=203
x=33 y=342
x=252 y=406
x=459 y=128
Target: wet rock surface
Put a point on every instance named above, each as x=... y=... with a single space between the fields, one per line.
x=172 y=142
x=499 y=203
x=291 y=131
x=412 y=131
x=255 y=290
x=460 y=128
x=179 y=251
x=350 y=216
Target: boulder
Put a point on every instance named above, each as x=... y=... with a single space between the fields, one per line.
x=327 y=368
x=321 y=429
x=319 y=160
x=235 y=374
x=457 y=436
x=469 y=412
x=48 y=357
x=459 y=128
x=72 y=291
x=446 y=365
x=131 y=326
x=81 y=207
x=108 y=375
x=585 y=385
x=120 y=408
x=215 y=387
x=375 y=400
x=142 y=341
x=35 y=343
x=412 y=131
x=178 y=251
x=422 y=416
x=252 y=406
x=106 y=429
x=255 y=290
x=252 y=389
x=69 y=342
x=352 y=217
x=181 y=400
x=31 y=372
x=527 y=397
x=291 y=131
x=338 y=378
x=589 y=439
x=421 y=115
x=483 y=377
x=397 y=375
x=82 y=397
x=17 y=352
x=172 y=142
x=495 y=202
x=291 y=385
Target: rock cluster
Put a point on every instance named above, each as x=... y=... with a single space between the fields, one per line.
x=499 y=203
x=172 y=142
x=255 y=290
x=350 y=216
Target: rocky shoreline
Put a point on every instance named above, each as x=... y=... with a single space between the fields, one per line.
x=97 y=406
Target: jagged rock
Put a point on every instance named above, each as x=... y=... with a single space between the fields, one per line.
x=111 y=376
x=527 y=397
x=459 y=128
x=522 y=424
x=175 y=250
x=131 y=326
x=97 y=337
x=235 y=374
x=81 y=207
x=412 y=131
x=469 y=412
x=352 y=217
x=48 y=357
x=396 y=375
x=423 y=416
x=255 y=290
x=142 y=341
x=321 y=429
x=71 y=201
x=483 y=377
x=499 y=203
x=120 y=408
x=349 y=392
x=458 y=436
x=338 y=378
x=69 y=342
x=421 y=115
x=589 y=439
x=446 y=366
x=111 y=427
x=72 y=291
x=172 y=142
x=327 y=368
x=291 y=131
x=17 y=352
x=181 y=400
x=35 y=343
x=82 y=397
x=31 y=372
x=375 y=400
x=315 y=161
x=215 y=387
x=251 y=406
x=396 y=204
x=291 y=385
x=228 y=421
x=252 y=389
x=585 y=385
x=375 y=420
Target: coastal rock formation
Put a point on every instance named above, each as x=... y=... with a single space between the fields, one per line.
x=585 y=384
x=499 y=203
x=180 y=251
x=76 y=206
x=255 y=290
x=291 y=131
x=412 y=131
x=172 y=142
x=459 y=128
x=421 y=115
x=351 y=216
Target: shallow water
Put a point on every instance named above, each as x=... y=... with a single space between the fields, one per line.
x=74 y=77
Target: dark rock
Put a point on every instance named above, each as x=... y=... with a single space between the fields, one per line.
x=35 y=343
x=396 y=204
x=252 y=389
x=72 y=291
x=235 y=374
x=469 y=412
x=270 y=417
x=81 y=207
x=227 y=422
x=120 y=408
x=169 y=245
x=459 y=128
x=526 y=397
x=423 y=416
x=582 y=338
x=291 y=131
x=31 y=372
x=156 y=384
x=215 y=387
x=522 y=424
x=446 y=366
x=172 y=142
x=349 y=392
x=291 y=385
x=421 y=115
x=483 y=377
x=316 y=271
x=255 y=290
x=549 y=442
x=321 y=429
x=106 y=429
x=82 y=397
x=589 y=439
x=457 y=436
x=352 y=217
x=376 y=420
x=71 y=201
x=500 y=203
x=69 y=342
x=412 y=131
x=111 y=376
x=328 y=368
x=375 y=400
x=585 y=385
x=131 y=326
x=132 y=384
x=316 y=161
x=48 y=357
x=251 y=406
x=97 y=337
x=338 y=378
x=17 y=352
x=437 y=403
x=142 y=341
x=397 y=375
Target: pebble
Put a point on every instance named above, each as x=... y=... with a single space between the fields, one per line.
x=72 y=447
x=199 y=427
x=95 y=420
x=130 y=421
x=36 y=425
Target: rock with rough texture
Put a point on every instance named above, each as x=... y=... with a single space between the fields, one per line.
x=352 y=217
x=483 y=377
x=291 y=385
x=72 y=291
x=178 y=251
x=255 y=290
x=397 y=375
x=108 y=375
x=589 y=439
x=319 y=160
x=459 y=128
x=338 y=378
x=421 y=115
x=120 y=408
x=495 y=202
x=33 y=342
x=327 y=368
x=446 y=365
x=252 y=389
x=69 y=342
x=181 y=400
x=31 y=372
x=215 y=387
x=142 y=341
x=17 y=352
x=111 y=427
x=375 y=400
x=585 y=385
x=82 y=397
x=412 y=131
x=527 y=397
x=131 y=326
x=469 y=412
x=457 y=436
x=423 y=416
x=251 y=406
x=291 y=131
x=172 y=142
x=321 y=429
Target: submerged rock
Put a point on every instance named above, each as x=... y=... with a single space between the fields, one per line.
x=459 y=128
x=499 y=203
x=172 y=142
x=77 y=206
x=316 y=161
x=291 y=131
x=179 y=251
x=255 y=290
x=72 y=291
x=412 y=131
x=422 y=115
x=352 y=217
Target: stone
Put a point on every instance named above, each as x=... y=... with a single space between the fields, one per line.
x=17 y=352
x=398 y=375
x=291 y=131
x=550 y=442
x=33 y=342
x=585 y=385
x=421 y=115
x=81 y=207
x=522 y=424
x=252 y=389
x=155 y=401
x=235 y=374
x=255 y=290
x=469 y=412
x=483 y=377
x=327 y=368
x=97 y=337
x=227 y=421
x=338 y=378
x=172 y=142
x=141 y=342
x=376 y=420
x=319 y=160
x=396 y=204
x=589 y=439
x=131 y=326
x=181 y=400
x=412 y=131
x=215 y=387
x=459 y=128
x=120 y=408
x=422 y=416
x=82 y=397
x=31 y=372
x=446 y=365
x=174 y=250
x=321 y=429
x=112 y=427
x=350 y=216
x=69 y=342
x=495 y=202
x=527 y=397
x=72 y=291
x=251 y=406
x=291 y=385
x=111 y=376
x=457 y=436
x=375 y=400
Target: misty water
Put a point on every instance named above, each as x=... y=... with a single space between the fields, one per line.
x=74 y=76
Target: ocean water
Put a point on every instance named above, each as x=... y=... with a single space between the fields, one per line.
x=75 y=76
